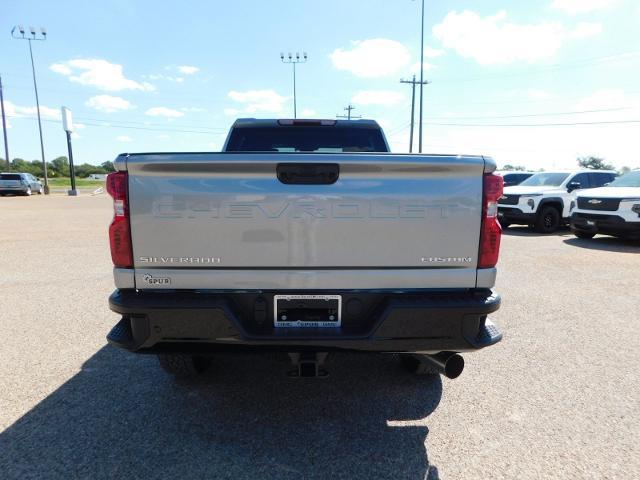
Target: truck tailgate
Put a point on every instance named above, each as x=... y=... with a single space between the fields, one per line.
x=220 y=220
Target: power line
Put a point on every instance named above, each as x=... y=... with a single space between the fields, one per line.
x=568 y=124
x=148 y=124
x=131 y=127
x=399 y=130
x=537 y=70
x=553 y=114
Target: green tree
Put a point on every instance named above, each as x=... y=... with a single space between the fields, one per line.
x=108 y=166
x=594 y=163
x=517 y=168
x=87 y=169
x=60 y=166
x=21 y=165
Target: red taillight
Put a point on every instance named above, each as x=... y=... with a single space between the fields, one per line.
x=119 y=230
x=491 y=230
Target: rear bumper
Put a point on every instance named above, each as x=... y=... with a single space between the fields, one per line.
x=605 y=224
x=412 y=321
x=5 y=190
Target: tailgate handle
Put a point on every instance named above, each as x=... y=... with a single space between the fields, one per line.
x=308 y=173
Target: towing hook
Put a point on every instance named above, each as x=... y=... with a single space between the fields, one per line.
x=308 y=364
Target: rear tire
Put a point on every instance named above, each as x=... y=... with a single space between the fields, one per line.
x=413 y=363
x=183 y=366
x=583 y=234
x=548 y=220
x=28 y=192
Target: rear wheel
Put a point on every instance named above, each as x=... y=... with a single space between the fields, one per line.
x=28 y=192
x=180 y=365
x=548 y=220
x=583 y=234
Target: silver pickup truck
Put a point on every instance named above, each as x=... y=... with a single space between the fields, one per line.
x=304 y=237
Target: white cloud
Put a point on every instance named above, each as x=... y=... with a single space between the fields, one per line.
x=108 y=103
x=98 y=73
x=259 y=100
x=493 y=40
x=377 y=97
x=163 y=136
x=79 y=126
x=61 y=69
x=586 y=29
x=537 y=94
x=160 y=76
x=231 y=111
x=16 y=111
x=430 y=52
x=124 y=138
x=415 y=68
x=581 y=6
x=164 y=112
x=193 y=109
x=188 y=69
x=308 y=112
x=606 y=98
x=377 y=57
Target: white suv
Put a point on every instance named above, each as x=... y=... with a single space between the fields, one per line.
x=545 y=200
x=611 y=210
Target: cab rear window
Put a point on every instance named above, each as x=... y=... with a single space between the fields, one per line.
x=10 y=176
x=320 y=139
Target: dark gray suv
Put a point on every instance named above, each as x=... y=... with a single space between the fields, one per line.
x=19 y=183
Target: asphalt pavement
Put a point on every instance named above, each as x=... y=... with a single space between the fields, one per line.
x=558 y=398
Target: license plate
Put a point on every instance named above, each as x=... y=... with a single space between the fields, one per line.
x=307 y=311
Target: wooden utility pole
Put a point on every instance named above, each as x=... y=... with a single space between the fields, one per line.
x=348 y=116
x=413 y=107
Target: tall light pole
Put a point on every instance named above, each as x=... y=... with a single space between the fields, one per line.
x=4 y=129
x=67 y=126
x=421 y=75
x=293 y=60
x=20 y=35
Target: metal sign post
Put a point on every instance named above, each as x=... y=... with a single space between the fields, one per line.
x=67 y=125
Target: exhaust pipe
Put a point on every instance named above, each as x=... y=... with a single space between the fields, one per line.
x=448 y=364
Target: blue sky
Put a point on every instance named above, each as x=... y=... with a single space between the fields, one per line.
x=141 y=76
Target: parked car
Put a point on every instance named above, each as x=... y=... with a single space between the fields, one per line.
x=19 y=183
x=290 y=241
x=544 y=200
x=97 y=176
x=611 y=210
x=512 y=178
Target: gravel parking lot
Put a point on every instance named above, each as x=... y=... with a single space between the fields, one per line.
x=558 y=398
